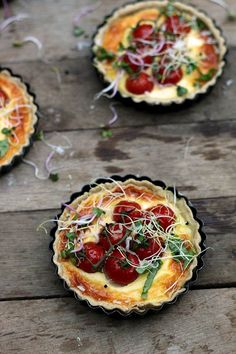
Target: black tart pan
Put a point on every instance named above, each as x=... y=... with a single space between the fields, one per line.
x=160 y=106
x=187 y=285
x=16 y=159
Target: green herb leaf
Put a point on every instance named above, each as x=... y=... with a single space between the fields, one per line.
x=121 y=47
x=54 y=177
x=6 y=131
x=106 y=133
x=180 y=252
x=103 y=54
x=71 y=235
x=123 y=65
x=170 y=9
x=39 y=136
x=17 y=44
x=181 y=91
x=208 y=76
x=150 y=277
x=198 y=25
x=191 y=66
x=78 y=31
x=4 y=146
x=98 y=212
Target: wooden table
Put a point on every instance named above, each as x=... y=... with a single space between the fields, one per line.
x=193 y=149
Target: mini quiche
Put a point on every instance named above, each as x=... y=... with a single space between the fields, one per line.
x=158 y=52
x=127 y=244
x=17 y=119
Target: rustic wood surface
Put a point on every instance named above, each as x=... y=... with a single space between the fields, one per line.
x=193 y=149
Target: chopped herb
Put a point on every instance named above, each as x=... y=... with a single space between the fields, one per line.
x=121 y=47
x=123 y=65
x=150 y=277
x=181 y=91
x=6 y=131
x=191 y=66
x=106 y=133
x=71 y=235
x=208 y=76
x=4 y=146
x=103 y=54
x=66 y=252
x=198 y=25
x=39 y=136
x=180 y=252
x=98 y=212
x=170 y=9
x=78 y=31
x=54 y=177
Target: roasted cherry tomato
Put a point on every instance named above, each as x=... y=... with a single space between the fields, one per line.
x=143 y=31
x=210 y=56
x=170 y=77
x=139 y=84
x=118 y=268
x=174 y=24
x=111 y=235
x=125 y=212
x=164 y=215
x=3 y=98
x=146 y=246
x=91 y=254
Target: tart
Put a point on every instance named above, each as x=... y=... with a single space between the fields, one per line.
x=17 y=119
x=127 y=244
x=158 y=52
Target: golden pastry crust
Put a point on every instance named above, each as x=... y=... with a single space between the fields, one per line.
x=95 y=287
x=18 y=115
x=117 y=29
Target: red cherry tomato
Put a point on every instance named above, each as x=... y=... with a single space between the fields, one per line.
x=139 y=84
x=118 y=269
x=170 y=77
x=91 y=254
x=147 y=248
x=210 y=56
x=165 y=216
x=144 y=31
x=126 y=211
x=111 y=235
x=3 y=98
x=174 y=24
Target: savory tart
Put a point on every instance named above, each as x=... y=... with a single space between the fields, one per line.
x=158 y=52
x=17 y=119
x=127 y=245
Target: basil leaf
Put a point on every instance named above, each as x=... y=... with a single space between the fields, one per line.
x=208 y=76
x=98 y=212
x=180 y=252
x=150 y=277
x=103 y=54
x=54 y=177
x=78 y=31
x=106 y=133
x=181 y=91
x=4 y=146
x=71 y=235
x=6 y=131
x=191 y=66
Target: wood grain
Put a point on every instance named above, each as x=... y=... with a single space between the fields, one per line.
x=196 y=158
x=71 y=105
x=201 y=322
x=27 y=271
x=52 y=22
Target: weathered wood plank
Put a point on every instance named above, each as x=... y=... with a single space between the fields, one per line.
x=25 y=256
x=201 y=322
x=51 y=21
x=197 y=158
x=71 y=105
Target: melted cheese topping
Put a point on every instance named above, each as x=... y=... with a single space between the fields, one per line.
x=117 y=31
x=19 y=112
x=169 y=279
